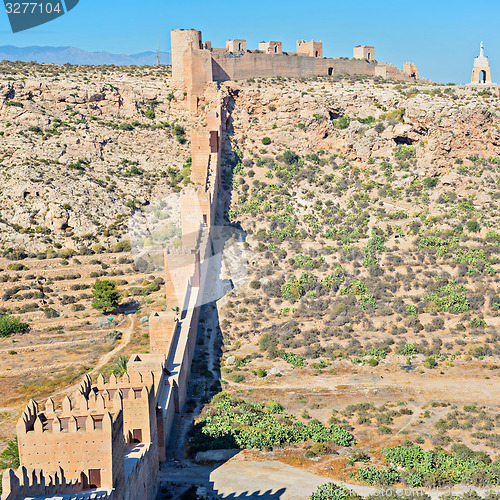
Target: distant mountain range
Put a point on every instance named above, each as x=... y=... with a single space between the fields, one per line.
x=72 y=55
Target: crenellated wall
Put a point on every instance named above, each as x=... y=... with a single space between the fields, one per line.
x=202 y=64
x=75 y=440
x=109 y=439
x=30 y=482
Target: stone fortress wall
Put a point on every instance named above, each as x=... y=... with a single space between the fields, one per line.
x=108 y=441
x=198 y=63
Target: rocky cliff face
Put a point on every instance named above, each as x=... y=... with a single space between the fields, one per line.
x=81 y=146
x=446 y=122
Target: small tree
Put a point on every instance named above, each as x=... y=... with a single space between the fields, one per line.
x=106 y=296
x=120 y=366
x=10 y=455
x=10 y=325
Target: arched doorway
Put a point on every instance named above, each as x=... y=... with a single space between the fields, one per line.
x=369 y=56
x=316 y=54
x=482 y=76
x=330 y=71
x=276 y=49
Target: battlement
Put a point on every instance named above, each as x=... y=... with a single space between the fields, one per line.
x=129 y=379
x=68 y=421
x=29 y=482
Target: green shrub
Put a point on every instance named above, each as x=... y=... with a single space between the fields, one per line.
x=126 y=126
x=405 y=153
x=266 y=141
x=233 y=422
x=17 y=266
x=435 y=467
x=10 y=325
x=478 y=323
x=342 y=122
x=473 y=226
x=50 y=313
x=431 y=182
x=430 y=362
x=332 y=491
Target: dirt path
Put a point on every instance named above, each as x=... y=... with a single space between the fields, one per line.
x=428 y=387
x=267 y=480
x=127 y=335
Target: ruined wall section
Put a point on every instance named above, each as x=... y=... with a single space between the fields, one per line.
x=203 y=64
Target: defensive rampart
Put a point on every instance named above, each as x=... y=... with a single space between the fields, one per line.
x=195 y=64
x=108 y=440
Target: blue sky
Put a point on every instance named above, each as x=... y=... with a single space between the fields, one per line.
x=441 y=36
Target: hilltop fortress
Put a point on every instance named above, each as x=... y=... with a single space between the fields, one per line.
x=108 y=440
x=196 y=63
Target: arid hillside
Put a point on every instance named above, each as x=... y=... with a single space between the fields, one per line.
x=371 y=210
x=81 y=148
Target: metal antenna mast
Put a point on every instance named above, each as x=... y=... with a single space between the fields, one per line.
x=157 y=54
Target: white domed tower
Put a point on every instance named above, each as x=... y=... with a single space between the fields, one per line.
x=481 y=71
x=182 y=40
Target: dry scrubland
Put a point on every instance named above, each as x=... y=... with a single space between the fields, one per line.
x=372 y=215
x=371 y=210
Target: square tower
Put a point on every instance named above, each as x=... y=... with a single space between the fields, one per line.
x=364 y=52
x=311 y=49
x=236 y=45
x=271 y=47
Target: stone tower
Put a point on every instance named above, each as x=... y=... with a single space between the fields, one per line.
x=481 y=71
x=364 y=52
x=182 y=40
x=311 y=49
